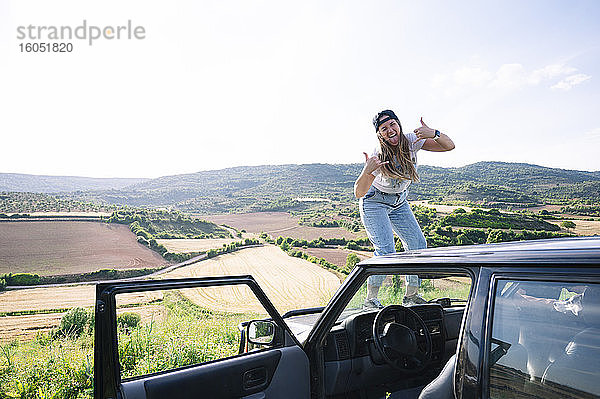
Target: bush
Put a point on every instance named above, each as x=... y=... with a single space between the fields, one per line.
x=211 y=253
x=427 y=285
x=22 y=279
x=353 y=245
x=142 y=240
x=74 y=322
x=128 y=321
x=496 y=220
x=351 y=261
x=2 y=284
x=567 y=224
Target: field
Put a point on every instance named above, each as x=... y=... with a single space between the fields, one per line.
x=334 y=255
x=194 y=245
x=290 y=283
x=50 y=303
x=271 y=267
x=441 y=208
x=583 y=227
x=66 y=214
x=53 y=248
x=279 y=224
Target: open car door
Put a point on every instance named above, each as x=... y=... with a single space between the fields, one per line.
x=186 y=338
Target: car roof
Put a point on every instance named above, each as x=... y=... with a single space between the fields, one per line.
x=572 y=250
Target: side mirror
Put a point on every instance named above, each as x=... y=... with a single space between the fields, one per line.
x=261 y=332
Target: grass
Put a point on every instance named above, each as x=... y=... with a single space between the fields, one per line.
x=33 y=311
x=65 y=310
x=47 y=368
x=59 y=367
x=187 y=335
x=430 y=289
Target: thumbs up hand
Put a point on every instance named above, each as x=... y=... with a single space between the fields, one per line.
x=424 y=132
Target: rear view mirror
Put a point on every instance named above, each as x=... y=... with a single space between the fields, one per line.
x=261 y=332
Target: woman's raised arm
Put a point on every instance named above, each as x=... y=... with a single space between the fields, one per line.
x=440 y=143
x=363 y=183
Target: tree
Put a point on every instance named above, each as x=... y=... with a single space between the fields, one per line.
x=351 y=260
x=567 y=224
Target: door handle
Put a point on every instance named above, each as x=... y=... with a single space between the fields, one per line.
x=254 y=378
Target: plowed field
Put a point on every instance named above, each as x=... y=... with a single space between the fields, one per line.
x=51 y=248
x=334 y=255
x=279 y=224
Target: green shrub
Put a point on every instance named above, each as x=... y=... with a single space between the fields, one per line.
x=2 y=284
x=353 y=245
x=128 y=321
x=211 y=253
x=74 y=322
x=427 y=285
x=142 y=240
x=351 y=260
x=22 y=279
x=567 y=224
x=494 y=219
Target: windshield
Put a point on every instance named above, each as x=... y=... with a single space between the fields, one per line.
x=383 y=290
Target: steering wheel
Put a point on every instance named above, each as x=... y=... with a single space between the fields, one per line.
x=398 y=344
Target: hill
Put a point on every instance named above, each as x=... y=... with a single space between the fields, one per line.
x=246 y=188
x=53 y=184
x=507 y=183
x=277 y=187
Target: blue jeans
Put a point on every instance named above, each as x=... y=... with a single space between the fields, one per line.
x=383 y=214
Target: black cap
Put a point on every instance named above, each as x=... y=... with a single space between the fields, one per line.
x=388 y=114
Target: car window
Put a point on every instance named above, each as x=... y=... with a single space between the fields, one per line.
x=392 y=290
x=168 y=329
x=545 y=340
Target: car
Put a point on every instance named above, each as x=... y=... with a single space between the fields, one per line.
x=508 y=320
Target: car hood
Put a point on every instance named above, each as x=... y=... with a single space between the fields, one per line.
x=301 y=325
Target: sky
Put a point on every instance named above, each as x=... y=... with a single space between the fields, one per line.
x=215 y=84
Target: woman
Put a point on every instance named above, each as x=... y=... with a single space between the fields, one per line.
x=382 y=189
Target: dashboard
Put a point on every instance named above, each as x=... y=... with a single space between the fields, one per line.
x=351 y=359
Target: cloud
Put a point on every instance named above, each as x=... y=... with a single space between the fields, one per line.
x=570 y=81
x=592 y=135
x=550 y=72
x=510 y=76
x=507 y=77
x=472 y=76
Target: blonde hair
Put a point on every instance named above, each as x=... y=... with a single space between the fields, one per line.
x=401 y=163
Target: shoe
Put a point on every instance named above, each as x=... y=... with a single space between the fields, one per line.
x=372 y=303
x=413 y=300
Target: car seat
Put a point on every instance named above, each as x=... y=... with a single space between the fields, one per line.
x=578 y=367
x=442 y=387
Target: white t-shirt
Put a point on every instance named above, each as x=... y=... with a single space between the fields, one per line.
x=391 y=185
